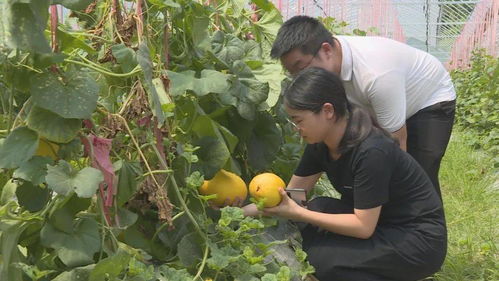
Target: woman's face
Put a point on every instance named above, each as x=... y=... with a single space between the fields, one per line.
x=312 y=127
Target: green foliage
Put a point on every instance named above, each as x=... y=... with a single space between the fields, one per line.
x=478 y=102
x=63 y=179
x=18 y=147
x=240 y=252
x=52 y=126
x=34 y=170
x=342 y=27
x=141 y=116
x=24 y=23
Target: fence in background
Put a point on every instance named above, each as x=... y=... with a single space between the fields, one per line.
x=450 y=30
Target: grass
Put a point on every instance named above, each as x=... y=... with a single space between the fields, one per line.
x=470 y=187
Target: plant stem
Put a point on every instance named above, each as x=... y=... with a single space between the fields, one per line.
x=148 y=167
x=11 y=106
x=129 y=97
x=180 y=197
x=26 y=104
x=4 y=106
x=203 y=263
x=91 y=36
x=140 y=21
x=103 y=231
x=53 y=28
x=164 y=224
x=157 y=172
x=136 y=70
x=166 y=42
x=138 y=147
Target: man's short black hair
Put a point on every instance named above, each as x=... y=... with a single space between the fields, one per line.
x=304 y=32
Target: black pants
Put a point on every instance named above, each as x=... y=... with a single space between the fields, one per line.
x=428 y=133
x=386 y=256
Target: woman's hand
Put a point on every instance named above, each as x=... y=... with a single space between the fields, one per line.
x=251 y=210
x=288 y=208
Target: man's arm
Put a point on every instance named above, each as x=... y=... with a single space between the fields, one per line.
x=387 y=96
x=401 y=136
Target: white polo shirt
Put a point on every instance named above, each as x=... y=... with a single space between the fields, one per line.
x=392 y=79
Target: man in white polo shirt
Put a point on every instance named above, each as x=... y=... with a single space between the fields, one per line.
x=408 y=91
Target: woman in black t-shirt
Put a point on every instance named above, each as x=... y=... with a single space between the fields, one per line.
x=389 y=223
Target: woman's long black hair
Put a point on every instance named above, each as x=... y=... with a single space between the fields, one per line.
x=313 y=87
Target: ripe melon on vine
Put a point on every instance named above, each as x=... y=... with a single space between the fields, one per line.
x=227 y=186
x=266 y=187
x=47 y=149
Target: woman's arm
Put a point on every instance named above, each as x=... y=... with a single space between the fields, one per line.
x=361 y=224
x=306 y=183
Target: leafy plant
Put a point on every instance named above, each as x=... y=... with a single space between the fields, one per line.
x=143 y=100
x=478 y=102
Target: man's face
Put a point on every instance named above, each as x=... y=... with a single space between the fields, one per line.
x=295 y=60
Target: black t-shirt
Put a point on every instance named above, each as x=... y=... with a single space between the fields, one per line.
x=378 y=173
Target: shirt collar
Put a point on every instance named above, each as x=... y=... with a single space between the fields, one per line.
x=346 y=60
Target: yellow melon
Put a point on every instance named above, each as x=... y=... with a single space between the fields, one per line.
x=47 y=149
x=266 y=187
x=227 y=186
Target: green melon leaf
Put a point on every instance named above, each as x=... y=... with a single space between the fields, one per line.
x=34 y=170
x=76 y=274
x=211 y=81
x=212 y=155
x=24 y=23
x=266 y=28
x=227 y=47
x=8 y=192
x=63 y=216
x=77 y=248
x=32 y=197
x=70 y=42
x=110 y=267
x=189 y=249
x=127 y=183
x=52 y=126
x=19 y=146
x=272 y=74
x=222 y=258
x=144 y=60
x=200 y=23
x=63 y=179
x=264 y=4
x=167 y=273
x=74 y=95
x=11 y=231
x=125 y=56
x=264 y=143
